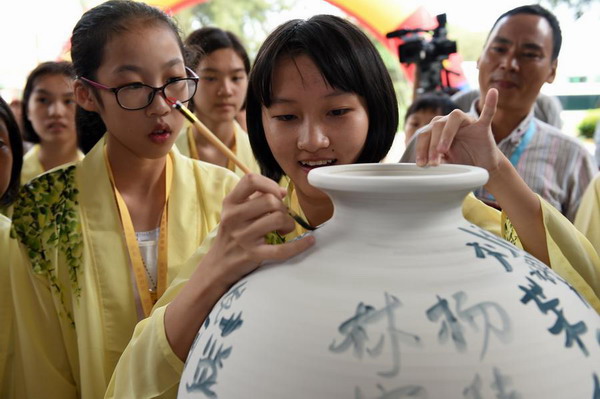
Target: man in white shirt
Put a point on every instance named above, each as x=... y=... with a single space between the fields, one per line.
x=520 y=55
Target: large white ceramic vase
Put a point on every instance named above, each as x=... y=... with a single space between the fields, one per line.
x=399 y=298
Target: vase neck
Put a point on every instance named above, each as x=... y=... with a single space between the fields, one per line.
x=391 y=199
x=380 y=214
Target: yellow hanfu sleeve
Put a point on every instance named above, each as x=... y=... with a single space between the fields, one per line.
x=73 y=322
x=6 y=315
x=587 y=219
x=39 y=326
x=148 y=368
x=481 y=215
x=572 y=256
x=565 y=246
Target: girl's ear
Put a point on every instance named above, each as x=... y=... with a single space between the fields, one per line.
x=84 y=96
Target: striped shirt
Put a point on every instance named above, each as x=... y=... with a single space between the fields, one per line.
x=554 y=165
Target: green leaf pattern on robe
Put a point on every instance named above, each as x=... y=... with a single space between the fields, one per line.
x=45 y=219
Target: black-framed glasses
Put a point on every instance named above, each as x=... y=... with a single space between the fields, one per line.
x=135 y=96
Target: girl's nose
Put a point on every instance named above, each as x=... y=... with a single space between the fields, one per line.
x=312 y=138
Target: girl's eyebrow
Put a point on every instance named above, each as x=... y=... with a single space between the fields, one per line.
x=335 y=93
x=47 y=93
x=136 y=68
x=210 y=69
x=280 y=100
x=42 y=91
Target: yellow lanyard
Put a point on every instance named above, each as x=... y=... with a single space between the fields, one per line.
x=292 y=202
x=194 y=149
x=192 y=143
x=147 y=297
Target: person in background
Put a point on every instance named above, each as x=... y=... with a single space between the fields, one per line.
x=99 y=241
x=48 y=113
x=11 y=155
x=423 y=110
x=319 y=94
x=11 y=160
x=222 y=64
x=16 y=106
x=419 y=113
x=520 y=55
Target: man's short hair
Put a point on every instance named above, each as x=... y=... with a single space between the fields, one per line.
x=535 y=9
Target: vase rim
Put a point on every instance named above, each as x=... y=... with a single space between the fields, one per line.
x=397 y=177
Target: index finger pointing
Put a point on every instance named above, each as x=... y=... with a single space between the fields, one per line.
x=489 y=107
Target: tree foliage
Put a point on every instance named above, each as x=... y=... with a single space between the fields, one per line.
x=469 y=44
x=248 y=19
x=253 y=20
x=579 y=7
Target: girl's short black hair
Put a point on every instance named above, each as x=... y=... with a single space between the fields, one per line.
x=204 y=41
x=45 y=68
x=88 y=41
x=16 y=147
x=347 y=60
x=436 y=102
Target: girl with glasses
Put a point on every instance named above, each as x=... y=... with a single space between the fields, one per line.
x=319 y=94
x=101 y=240
x=222 y=65
x=49 y=119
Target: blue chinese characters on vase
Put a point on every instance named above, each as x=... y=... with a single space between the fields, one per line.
x=399 y=298
x=209 y=360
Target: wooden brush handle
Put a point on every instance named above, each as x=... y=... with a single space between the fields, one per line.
x=212 y=138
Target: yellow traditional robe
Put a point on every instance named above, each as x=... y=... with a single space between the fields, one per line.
x=6 y=315
x=32 y=166
x=76 y=309
x=241 y=148
x=149 y=369
x=587 y=219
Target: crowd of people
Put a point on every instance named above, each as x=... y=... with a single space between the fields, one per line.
x=111 y=261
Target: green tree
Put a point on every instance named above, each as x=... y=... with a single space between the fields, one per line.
x=579 y=7
x=469 y=44
x=248 y=19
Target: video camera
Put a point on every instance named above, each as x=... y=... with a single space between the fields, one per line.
x=428 y=55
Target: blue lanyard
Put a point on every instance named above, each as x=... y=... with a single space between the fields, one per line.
x=516 y=155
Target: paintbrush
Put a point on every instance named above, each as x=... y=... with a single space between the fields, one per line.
x=214 y=140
